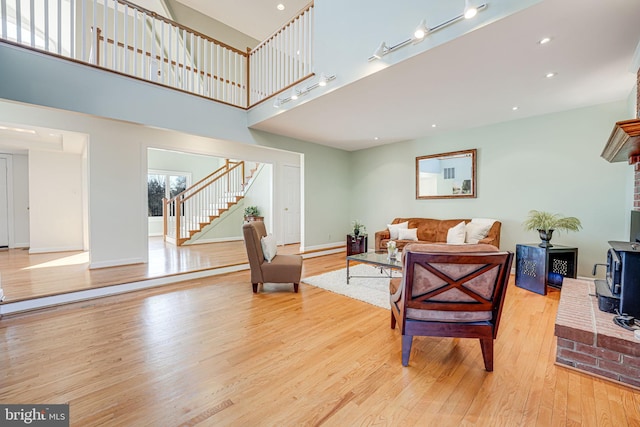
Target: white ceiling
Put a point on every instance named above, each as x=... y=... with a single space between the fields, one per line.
x=256 y=18
x=472 y=81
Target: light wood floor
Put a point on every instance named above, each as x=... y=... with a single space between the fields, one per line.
x=26 y=276
x=209 y=352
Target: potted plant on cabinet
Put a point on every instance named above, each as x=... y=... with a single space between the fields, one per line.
x=358 y=228
x=252 y=213
x=546 y=223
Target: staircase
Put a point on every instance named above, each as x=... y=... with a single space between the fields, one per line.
x=197 y=207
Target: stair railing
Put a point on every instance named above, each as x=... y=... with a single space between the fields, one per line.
x=284 y=59
x=120 y=36
x=188 y=212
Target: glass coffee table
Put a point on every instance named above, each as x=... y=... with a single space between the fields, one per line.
x=377 y=259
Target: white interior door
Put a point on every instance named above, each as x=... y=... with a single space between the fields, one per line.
x=4 y=204
x=291 y=214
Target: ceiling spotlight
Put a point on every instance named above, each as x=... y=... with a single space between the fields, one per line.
x=280 y=6
x=277 y=103
x=469 y=10
x=514 y=108
x=380 y=51
x=550 y=75
x=545 y=40
x=294 y=94
x=375 y=138
x=433 y=125
x=421 y=31
x=323 y=80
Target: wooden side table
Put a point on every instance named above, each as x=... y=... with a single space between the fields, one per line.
x=537 y=268
x=356 y=244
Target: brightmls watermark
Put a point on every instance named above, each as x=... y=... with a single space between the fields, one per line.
x=34 y=415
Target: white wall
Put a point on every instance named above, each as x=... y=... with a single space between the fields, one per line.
x=117 y=178
x=55 y=201
x=20 y=201
x=549 y=163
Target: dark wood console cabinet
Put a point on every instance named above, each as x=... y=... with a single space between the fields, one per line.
x=537 y=268
x=356 y=244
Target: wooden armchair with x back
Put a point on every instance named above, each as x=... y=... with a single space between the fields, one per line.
x=450 y=291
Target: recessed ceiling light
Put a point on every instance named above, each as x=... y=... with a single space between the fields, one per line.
x=280 y=6
x=544 y=40
x=433 y=125
x=550 y=75
x=375 y=138
x=514 y=108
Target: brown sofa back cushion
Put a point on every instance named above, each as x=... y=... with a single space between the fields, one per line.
x=434 y=231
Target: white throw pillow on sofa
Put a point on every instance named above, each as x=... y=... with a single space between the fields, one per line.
x=456 y=234
x=269 y=247
x=489 y=221
x=393 y=229
x=476 y=231
x=408 y=234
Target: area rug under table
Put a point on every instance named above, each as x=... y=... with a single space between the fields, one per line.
x=373 y=290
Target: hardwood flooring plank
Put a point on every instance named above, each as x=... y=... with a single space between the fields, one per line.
x=210 y=352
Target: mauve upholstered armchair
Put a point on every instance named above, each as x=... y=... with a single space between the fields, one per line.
x=281 y=269
x=450 y=291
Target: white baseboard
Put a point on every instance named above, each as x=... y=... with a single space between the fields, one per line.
x=116 y=263
x=321 y=247
x=59 y=249
x=214 y=240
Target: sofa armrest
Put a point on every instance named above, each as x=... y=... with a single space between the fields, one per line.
x=493 y=237
x=380 y=235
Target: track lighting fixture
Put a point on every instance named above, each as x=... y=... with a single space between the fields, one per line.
x=380 y=51
x=469 y=10
x=423 y=30
x=297 y=92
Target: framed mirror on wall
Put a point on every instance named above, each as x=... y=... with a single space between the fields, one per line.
x=446 y=175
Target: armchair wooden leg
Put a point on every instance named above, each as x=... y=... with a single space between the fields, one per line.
x=255 y=288
x=407 y=340
x=393 y=320
x=295 y=287
x=487 y=353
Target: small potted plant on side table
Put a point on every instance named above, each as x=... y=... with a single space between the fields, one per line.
x=252 y=213
x=546 y=223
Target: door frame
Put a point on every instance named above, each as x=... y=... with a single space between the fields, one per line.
x=10 y=219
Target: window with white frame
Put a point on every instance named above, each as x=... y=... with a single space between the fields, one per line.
x=164 y=184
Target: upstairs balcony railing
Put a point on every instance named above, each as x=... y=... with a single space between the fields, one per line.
x=119 y=36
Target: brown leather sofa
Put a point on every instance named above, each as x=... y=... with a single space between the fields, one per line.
x=433 y=231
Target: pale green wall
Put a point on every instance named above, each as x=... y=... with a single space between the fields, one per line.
x=327 y=188
x=549 y=162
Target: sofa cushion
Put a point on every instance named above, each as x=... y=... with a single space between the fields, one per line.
x=474 y=232
x=456 y=234
x=393 y=228
x=408 y=234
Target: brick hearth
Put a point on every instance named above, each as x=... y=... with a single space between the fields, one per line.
x=589 y=341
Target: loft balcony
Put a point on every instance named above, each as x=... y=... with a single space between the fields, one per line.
x=124 y=38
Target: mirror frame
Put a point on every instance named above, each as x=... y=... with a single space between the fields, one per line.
x=443 y=156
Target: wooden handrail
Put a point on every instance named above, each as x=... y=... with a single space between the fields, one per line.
x=182 y=27
x=165 y=60
x=227 y=172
